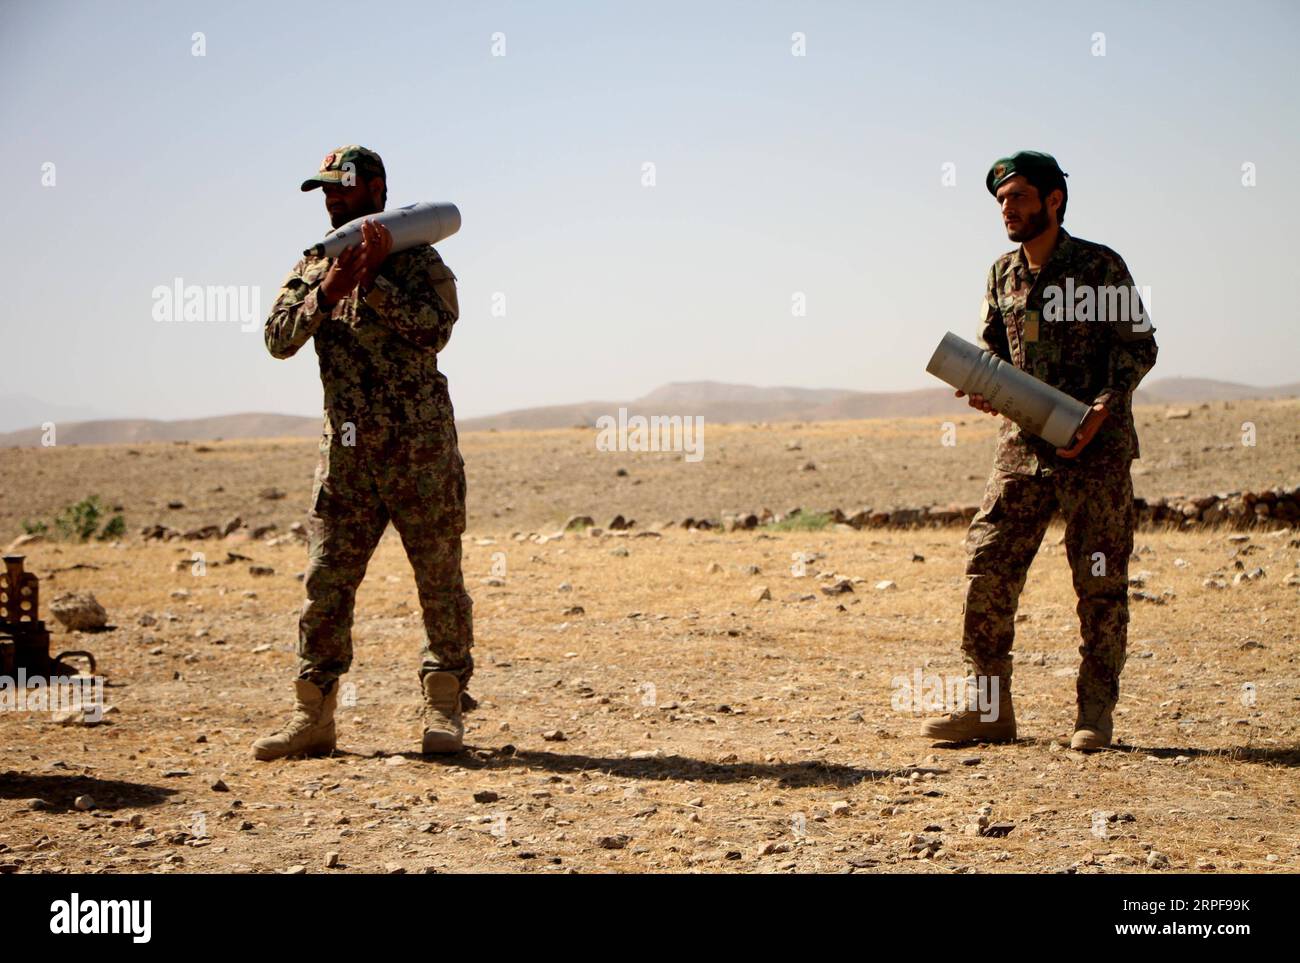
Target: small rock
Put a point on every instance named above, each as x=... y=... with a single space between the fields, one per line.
x=79 y=612
x=84 y=803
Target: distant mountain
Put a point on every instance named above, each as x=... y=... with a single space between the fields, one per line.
x=716 y=402
x=23 y=411
x=720 y=403
x=139 y=430
x=1188 y=390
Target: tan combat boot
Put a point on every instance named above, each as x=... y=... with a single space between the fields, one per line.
x=1093 y=727
x=311 y=730
x=966 y=725
x=443 y=729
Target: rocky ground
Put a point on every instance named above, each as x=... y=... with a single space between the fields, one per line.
x=653 y=700
x=647 y=711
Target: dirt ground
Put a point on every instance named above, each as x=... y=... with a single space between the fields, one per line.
x=642 y=709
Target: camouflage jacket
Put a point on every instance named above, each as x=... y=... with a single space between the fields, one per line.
x=378 y=355
x=1080 y=326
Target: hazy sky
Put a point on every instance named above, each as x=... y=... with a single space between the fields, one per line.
x=774 y=174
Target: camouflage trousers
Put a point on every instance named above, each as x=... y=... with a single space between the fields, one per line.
x=413 y=476
x=1096 y=503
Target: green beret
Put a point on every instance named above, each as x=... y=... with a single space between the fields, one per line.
x=1038 y=168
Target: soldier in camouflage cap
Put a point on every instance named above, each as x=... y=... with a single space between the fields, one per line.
x=1066 y=311
x=389 y=453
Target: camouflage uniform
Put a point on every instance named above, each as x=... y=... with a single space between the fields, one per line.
x=389 y=453
x=1093 y=361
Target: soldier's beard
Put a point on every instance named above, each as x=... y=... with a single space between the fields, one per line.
x=344 y=215
x=1033 y=225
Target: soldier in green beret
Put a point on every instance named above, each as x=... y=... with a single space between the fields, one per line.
x=1066 y=311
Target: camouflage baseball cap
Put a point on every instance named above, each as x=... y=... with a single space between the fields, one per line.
x=351 y=161
x=1038 y=168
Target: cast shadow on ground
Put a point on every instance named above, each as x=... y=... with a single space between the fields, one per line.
x=674 y=768
x=59 y=791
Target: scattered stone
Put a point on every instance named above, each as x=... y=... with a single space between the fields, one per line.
x=486 y=796
x=79 y=612
x=554 y=735
x=260 y=570
x=1250 y=576
x=1143 y=596
x=84 y=803
x=1157 y=860
x=270 y=495
x=885 y=586
x=619 y=841
x=331 y=860
x=79 y=716
x=762 y=594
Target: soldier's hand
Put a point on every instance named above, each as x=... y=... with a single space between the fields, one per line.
x=977 y=402
x=376 y=245
x=1092 y=421
x=343 y=275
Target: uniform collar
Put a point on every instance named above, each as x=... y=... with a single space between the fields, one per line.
x=1061 y=251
